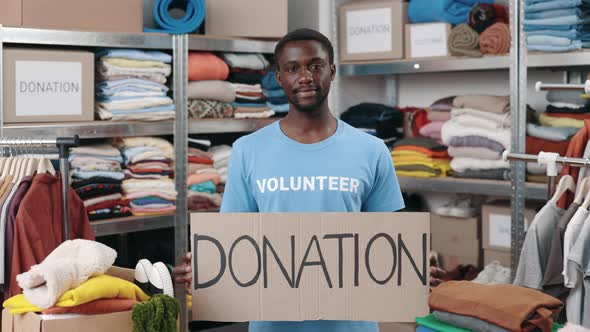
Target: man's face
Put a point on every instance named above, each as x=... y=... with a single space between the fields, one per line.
x=305 y=74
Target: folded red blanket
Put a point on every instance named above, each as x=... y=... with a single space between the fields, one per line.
x=203 y=66
x=495 y=39
x=98 y=307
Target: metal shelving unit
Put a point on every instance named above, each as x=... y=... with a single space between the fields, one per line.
x=124 y=225
x=535 y=191
x=102 y=129
x=455 y=64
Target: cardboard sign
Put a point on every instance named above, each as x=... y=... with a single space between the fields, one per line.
x=310 y=266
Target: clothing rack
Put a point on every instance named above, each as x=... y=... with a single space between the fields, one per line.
x=63 y=144
x=540 y=86
x=550 y=159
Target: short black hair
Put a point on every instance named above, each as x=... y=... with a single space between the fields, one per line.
x=304 y=34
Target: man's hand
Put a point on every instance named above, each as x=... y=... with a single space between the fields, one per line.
x=437 y=276
x=184 y=272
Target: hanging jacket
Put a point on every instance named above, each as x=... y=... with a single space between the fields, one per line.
x=575 y=149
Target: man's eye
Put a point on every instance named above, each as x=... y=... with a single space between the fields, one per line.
x=315 y=67
x=291 y=69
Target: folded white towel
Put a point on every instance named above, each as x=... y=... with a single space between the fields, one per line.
x=477 y=118
x=452 y=129
x=67 y=267
x=463 y=164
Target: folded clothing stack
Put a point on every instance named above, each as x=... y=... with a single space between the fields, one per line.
x=148 y=186
x=276 y=98
x=203 y=181
x=451 y=11
x=477 y=134
x=469 y=306
x=420 y=157
x=209 y=95
x=377 y=119
x=97 y=178
x=246 y=74
x=557 y=25
x=130 y=85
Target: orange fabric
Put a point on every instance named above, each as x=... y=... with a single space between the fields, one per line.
x=425 y=151
x=204 y=177
x=199 y=160
x=511 y=307
x=98 y=307
x=575 y=149
x=535 y=145
x=204 y=66
x=495 y=39
x=39 y=225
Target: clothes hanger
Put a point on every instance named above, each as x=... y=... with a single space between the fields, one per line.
x=582 y=190
x=565 y=183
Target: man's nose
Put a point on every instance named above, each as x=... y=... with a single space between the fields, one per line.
x=305 y=77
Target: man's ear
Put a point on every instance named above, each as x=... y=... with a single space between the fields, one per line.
x=333 y=70
x=278 y=77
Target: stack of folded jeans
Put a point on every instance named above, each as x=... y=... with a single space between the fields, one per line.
x=130 y=85
x=557 y=25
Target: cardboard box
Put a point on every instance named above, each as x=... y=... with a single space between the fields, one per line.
x=457 y=240
x=48 y=85
x=427 y=40
x=496 y=229
x=310 y=266
x=503 y=257
x=10 y=13
x=31 y=322
x=104 y=15
x=372 y=30
x=257 y=19
x=397 y=327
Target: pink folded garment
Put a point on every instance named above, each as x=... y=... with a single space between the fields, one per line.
x=204 y=177
x=432 y=129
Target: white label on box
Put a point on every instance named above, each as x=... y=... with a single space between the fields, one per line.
x=45 y=88
x=428 y=40
x=369 y=31
x=500 y=230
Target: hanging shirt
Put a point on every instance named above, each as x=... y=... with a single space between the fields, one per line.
x=350 y=171
x=569 y=239
x=578 y=274
x=536 y=247
x=39 y=225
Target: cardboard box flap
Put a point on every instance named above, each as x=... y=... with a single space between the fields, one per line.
x=116 y=322
x=310 y=266
x=27 y=322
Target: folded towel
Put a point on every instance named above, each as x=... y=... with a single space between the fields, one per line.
x=476 y=141
x=68 y=266
x=473 y=152
x=452 y=11
x=212 y=90
x=98 y=150
x=163 y=145
x=269 y=81
x=203 y=66
x=122 y=62
x=246 y=77
x=106 y=68
x=470 y=323
x=443 y=104
x=532 y=7
x=439 y=116
x=464 y=41
x=451 y=129
x=134 y=54
x=557 y=134
x=246 y=61
x=495 y=39
x=494 y=104
x=493 y=120
x=462 y=164
x=263 y=114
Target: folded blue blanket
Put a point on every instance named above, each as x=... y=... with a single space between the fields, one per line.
x=151 y=200
x=276 y=93
x=88 y=175
x=552 y=4
x=581 y=27
x=550 y=40
x=129 y=81
x=166 y=108
x=561 y=20
x=109 y=92
x=234 y=104
x=112 y=158
x=135 y=54
x=556 y=13
x=107 y=99
x=452 y=11
x=550 y=48
x=570 y=34
x=279 y=108
x=269 y=81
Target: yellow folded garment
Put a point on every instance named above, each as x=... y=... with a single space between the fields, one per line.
x=134 y=63
x=417 y=174
x=412 y=159
x=552 y=121
x=406 y=153
x=100 y=287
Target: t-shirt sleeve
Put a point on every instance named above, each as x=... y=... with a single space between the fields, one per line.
x=237 y=196
x=385 y=194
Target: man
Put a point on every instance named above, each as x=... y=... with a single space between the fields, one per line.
x=321 y=163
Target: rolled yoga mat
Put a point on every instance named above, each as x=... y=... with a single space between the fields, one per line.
x=464 y=41
x=193 y=19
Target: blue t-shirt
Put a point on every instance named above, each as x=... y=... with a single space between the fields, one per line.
x=350 y=171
